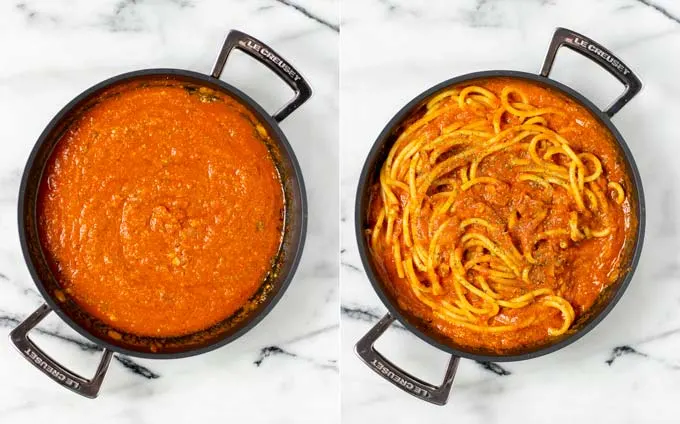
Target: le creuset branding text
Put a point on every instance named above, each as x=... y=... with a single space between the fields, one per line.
x=399 y=380
x=46 y=366
x=271 y=56
x=603 y=54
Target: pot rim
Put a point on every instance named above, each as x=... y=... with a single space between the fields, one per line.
x=286 y=149
x=369 y=166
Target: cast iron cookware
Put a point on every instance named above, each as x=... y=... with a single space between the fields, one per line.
x=220 y=334
x=438 y=394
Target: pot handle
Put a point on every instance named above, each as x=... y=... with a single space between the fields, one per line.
x=437 y=395
x=272 y=60
x=603 y=57
x=57 y=372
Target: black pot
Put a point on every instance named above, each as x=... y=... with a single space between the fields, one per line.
x=148 y=347
x=365 y=347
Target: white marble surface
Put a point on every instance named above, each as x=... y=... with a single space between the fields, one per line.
x=283 y=371
x=627 y=370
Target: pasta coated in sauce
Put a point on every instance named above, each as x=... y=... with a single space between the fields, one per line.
x=501 y=213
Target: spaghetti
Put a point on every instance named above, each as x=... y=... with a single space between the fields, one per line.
x=500 y=213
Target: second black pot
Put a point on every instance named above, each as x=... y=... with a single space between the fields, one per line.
x=438 y=393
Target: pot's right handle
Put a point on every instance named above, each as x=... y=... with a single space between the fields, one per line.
x=603 y=57
x=54 y=370
x=272 y=60
x=400 y=378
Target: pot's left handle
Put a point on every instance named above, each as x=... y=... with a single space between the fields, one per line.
x=270 y=58
x=60 y=374
x=414 y=386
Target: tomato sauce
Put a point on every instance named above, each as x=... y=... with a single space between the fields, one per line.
x=578 y=273
x=161 y=209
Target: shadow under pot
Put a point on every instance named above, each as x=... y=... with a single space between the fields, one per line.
x=171 y=98
x=473 y=287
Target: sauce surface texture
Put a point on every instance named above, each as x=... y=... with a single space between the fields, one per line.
x=502 y=212
x=161 y=209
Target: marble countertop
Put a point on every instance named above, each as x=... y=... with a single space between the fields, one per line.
x=283 y=371
x=627 y=370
